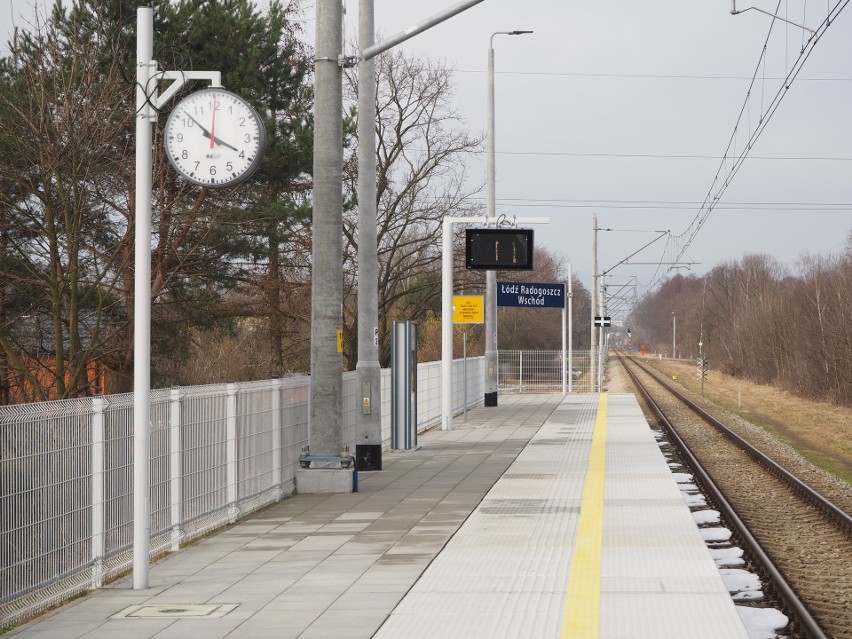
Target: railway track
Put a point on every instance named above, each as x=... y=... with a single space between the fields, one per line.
x=793 y=522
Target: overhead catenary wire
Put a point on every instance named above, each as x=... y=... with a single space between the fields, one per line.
x=725 y=174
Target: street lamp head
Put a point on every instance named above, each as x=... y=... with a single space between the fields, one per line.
x=511 y=33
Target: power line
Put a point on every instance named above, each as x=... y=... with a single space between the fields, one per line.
x=733 y=158
x=671 y=156
x=682 y=207
x=653 y=76
x=682 y=202
x=666 y=204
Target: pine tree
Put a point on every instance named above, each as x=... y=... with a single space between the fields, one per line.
x=67 y=126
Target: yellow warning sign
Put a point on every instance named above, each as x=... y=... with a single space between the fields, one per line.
x=468 y=309
x=339 y=340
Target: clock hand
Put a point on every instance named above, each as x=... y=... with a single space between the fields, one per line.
x=204 y=131
x=207 y=134
x=213 y=125
x=221 y=143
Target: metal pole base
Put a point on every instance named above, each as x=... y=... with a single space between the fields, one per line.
x=491 y=399
x=368 y=457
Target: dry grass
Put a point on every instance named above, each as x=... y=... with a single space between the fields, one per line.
x=820 y=432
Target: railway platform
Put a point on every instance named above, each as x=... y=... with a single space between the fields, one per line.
x=547 y=516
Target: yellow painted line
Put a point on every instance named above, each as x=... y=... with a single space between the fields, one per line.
x=583 y=601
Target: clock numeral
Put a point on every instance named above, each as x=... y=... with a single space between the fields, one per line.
x=209 y=160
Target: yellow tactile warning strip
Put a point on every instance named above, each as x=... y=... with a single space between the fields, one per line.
x=583 y=601
x=565 y=545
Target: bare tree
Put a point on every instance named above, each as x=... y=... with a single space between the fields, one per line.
x=759 y=322
x=421 y=177
x=538 y=328
x=63 y=150
x=66 y=168
x=825 y=299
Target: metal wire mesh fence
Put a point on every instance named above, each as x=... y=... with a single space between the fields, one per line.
x=543 y=372
x=217 y=452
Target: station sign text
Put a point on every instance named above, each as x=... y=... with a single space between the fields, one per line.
x=530 y=294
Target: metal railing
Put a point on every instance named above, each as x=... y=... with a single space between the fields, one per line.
x=541 y=372
x=218 y=452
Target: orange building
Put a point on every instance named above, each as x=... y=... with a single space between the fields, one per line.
x=99 y=380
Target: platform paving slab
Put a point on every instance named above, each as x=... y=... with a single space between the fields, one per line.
x=320 y=566
x=644 y=570
x=469 y=536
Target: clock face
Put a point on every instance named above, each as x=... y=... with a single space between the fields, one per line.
x=214 y=138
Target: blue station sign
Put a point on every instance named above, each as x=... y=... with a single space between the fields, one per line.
x=530 y=294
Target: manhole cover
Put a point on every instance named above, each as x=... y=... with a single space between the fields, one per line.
x=177 y=611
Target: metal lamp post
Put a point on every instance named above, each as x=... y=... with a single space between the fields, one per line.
x=491 y=276
x=368 y=448
x=326 y=394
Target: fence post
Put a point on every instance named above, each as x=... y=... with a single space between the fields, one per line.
x=521 y=371
x=276 y=436
x=464 y=359
x=231 y=451
x=175 y=466
x=98 y=497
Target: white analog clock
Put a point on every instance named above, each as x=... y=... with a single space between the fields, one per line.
x=214 y=138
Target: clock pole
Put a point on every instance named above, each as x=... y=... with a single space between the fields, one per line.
x=142 y=296
x=147 y=103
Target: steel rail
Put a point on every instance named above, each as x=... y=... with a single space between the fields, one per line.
x=828 y=507
x=788 y=596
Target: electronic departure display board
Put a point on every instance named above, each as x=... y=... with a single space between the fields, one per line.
x=499 y=249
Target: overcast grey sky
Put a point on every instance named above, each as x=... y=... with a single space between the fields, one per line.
x=624 y=109
x=18 y=13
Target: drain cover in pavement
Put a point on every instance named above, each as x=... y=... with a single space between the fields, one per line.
x=177 y=611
